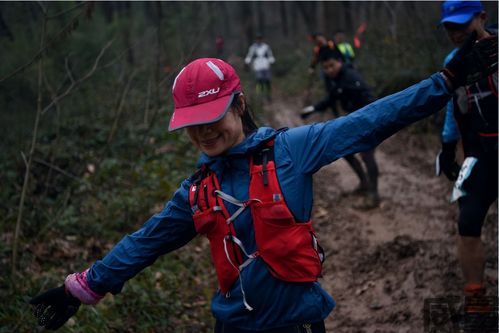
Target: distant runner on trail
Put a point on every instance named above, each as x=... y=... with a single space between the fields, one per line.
x=344 y=47
x=219 y=47
x=251 y=196
x=472 y=117
x=320 y=42
x=345 y=85
x=261 y=58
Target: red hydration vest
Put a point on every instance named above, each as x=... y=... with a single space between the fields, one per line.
x=288 y=247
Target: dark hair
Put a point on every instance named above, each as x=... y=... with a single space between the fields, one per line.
x=326 y=53
x=249 y=125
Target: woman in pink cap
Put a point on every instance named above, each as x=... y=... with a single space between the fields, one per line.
x=252 y=197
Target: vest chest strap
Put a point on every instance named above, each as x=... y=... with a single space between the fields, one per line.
x=242 y=204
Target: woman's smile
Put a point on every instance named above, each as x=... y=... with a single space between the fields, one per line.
x=210 y=142
x=214 y=139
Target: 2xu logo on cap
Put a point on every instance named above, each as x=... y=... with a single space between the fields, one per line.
x=208 y=92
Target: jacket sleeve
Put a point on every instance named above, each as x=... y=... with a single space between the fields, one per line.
x=249 y=56
x=313 y=146
x=270 y=55
x=330 y=99
x=315 y=57
x=355 y=84
x=164 y=232
x=450 y=131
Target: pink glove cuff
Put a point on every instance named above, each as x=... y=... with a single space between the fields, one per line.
x=77 y=285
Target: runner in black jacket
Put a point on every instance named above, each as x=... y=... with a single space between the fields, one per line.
x=471 y=118
x=345 y=85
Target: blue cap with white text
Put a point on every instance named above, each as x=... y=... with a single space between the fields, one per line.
x=460 y=12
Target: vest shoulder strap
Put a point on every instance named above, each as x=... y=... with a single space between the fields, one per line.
x=264 y=153
x=204 y=183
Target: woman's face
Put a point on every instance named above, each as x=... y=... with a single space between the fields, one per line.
x=214 y=139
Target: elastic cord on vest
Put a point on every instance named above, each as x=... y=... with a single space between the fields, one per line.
x=250 y=257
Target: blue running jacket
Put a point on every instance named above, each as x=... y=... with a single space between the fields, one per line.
x=299 y=153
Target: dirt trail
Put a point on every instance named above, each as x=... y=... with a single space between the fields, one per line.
x=383 y=263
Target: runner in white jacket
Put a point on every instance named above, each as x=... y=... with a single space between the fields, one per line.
x=261 y=58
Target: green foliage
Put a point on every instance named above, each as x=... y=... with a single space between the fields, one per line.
x=88 y=188
x=72 y=222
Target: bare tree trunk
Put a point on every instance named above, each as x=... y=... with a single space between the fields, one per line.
x=156 y=99
x=319 y=10
x=146 y=107
x=261 y=17
x=127 y=32
x=32 y=149
x=284 y=18
x=294 y=18
x=246 y=13
x=108 y=9
x=226 y=22
x=307 y=10
x=340 y=13
x=4 y=28
x=372 y=10
x=361 y=10
x=327 y=17
x=119 y=110
x=392 y=27
x=349 y=25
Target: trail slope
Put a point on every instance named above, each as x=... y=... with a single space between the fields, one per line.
x=383 y=263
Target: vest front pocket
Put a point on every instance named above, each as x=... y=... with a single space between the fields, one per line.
x=205 y=221
x=285 y=245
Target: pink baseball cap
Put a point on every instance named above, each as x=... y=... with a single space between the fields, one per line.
x=203 y=92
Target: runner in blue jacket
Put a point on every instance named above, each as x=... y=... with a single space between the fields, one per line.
x=471 y=118
x=265 y=285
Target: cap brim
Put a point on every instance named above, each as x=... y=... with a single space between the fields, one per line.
x=201 y=114
x=457 y=19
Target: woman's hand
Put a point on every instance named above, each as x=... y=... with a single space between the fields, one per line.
x=54 y=307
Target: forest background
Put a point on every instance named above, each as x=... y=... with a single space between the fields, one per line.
x=86 y=156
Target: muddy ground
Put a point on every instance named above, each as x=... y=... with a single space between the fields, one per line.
x=382 y=264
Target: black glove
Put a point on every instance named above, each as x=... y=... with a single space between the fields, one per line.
x=473 y=61
x=54 y=307
x=446 y=161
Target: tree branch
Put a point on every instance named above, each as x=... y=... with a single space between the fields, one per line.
x=30 y=156
x=45 y=46
x=56 y=168
x=120 y=108
x=78 y=82
x=65 y=11
x=70 y=75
